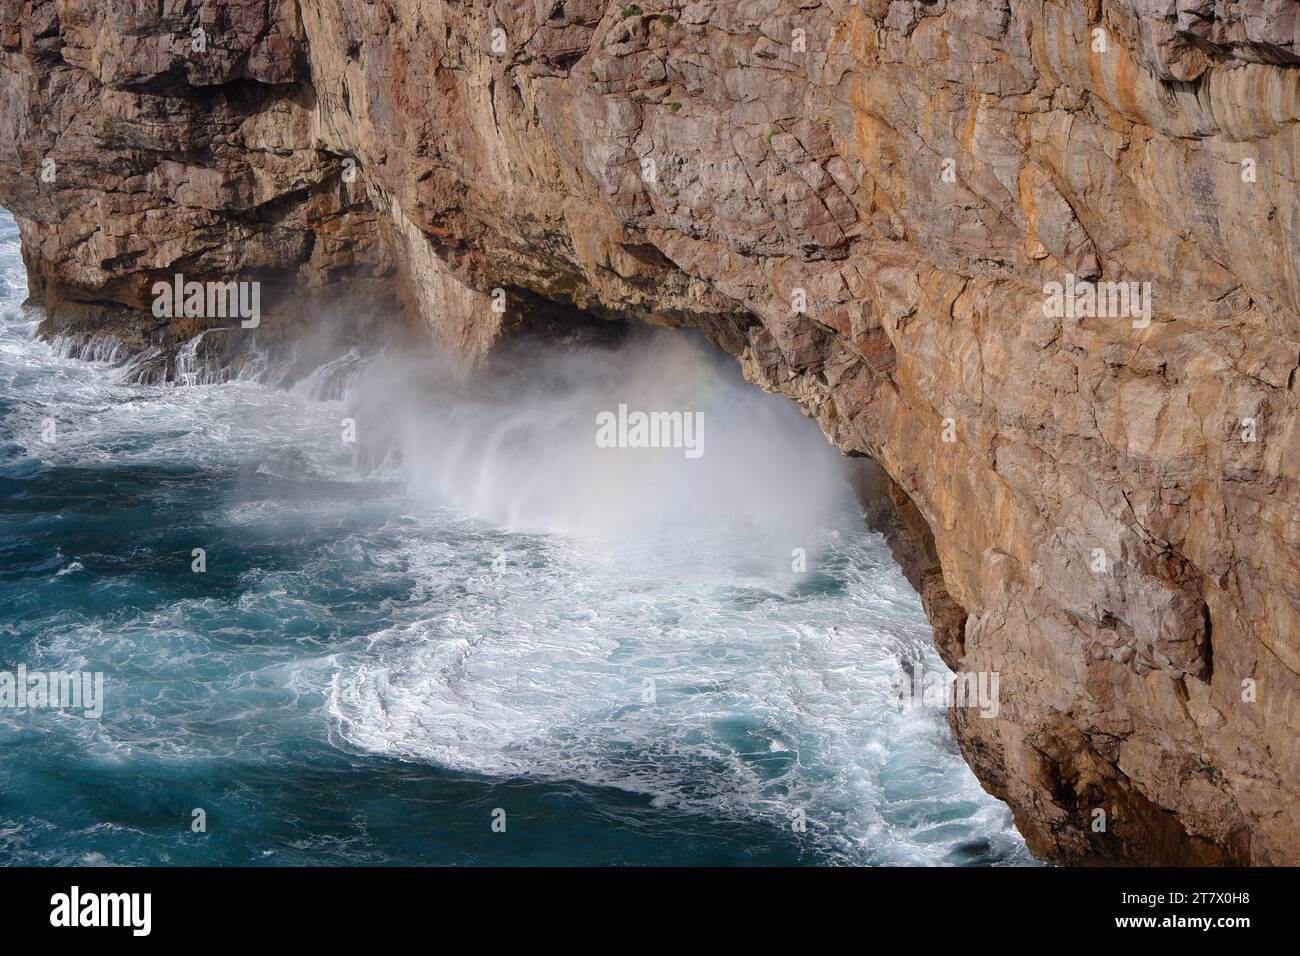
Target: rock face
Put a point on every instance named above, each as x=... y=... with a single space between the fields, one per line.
x=131 y=156
x=868 y=203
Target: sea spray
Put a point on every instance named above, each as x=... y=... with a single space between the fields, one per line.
x=458 y=611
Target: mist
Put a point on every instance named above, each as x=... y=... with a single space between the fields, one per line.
x=520 y=449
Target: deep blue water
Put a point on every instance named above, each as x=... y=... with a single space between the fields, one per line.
x=639 y=678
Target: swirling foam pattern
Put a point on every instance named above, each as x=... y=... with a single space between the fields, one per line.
x=472 y=608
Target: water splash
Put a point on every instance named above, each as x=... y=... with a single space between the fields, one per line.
x=356 y=676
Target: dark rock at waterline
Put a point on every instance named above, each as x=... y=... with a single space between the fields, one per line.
x=861 y=201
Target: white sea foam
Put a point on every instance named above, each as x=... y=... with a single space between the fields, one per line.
x=622 y=566
x=772 y=689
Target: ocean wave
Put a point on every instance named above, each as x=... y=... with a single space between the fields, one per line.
x=470 y=588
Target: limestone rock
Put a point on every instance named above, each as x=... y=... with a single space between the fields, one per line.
x=865 y=203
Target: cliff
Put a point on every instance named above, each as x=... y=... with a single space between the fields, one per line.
x=869 y=204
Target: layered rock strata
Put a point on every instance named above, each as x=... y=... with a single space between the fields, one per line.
x=870 y=204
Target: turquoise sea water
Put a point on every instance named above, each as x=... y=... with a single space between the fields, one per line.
x=472 y=613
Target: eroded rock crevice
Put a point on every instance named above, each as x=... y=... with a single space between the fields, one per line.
x=866 y=203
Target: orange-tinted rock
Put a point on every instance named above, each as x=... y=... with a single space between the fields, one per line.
x=864 y=201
